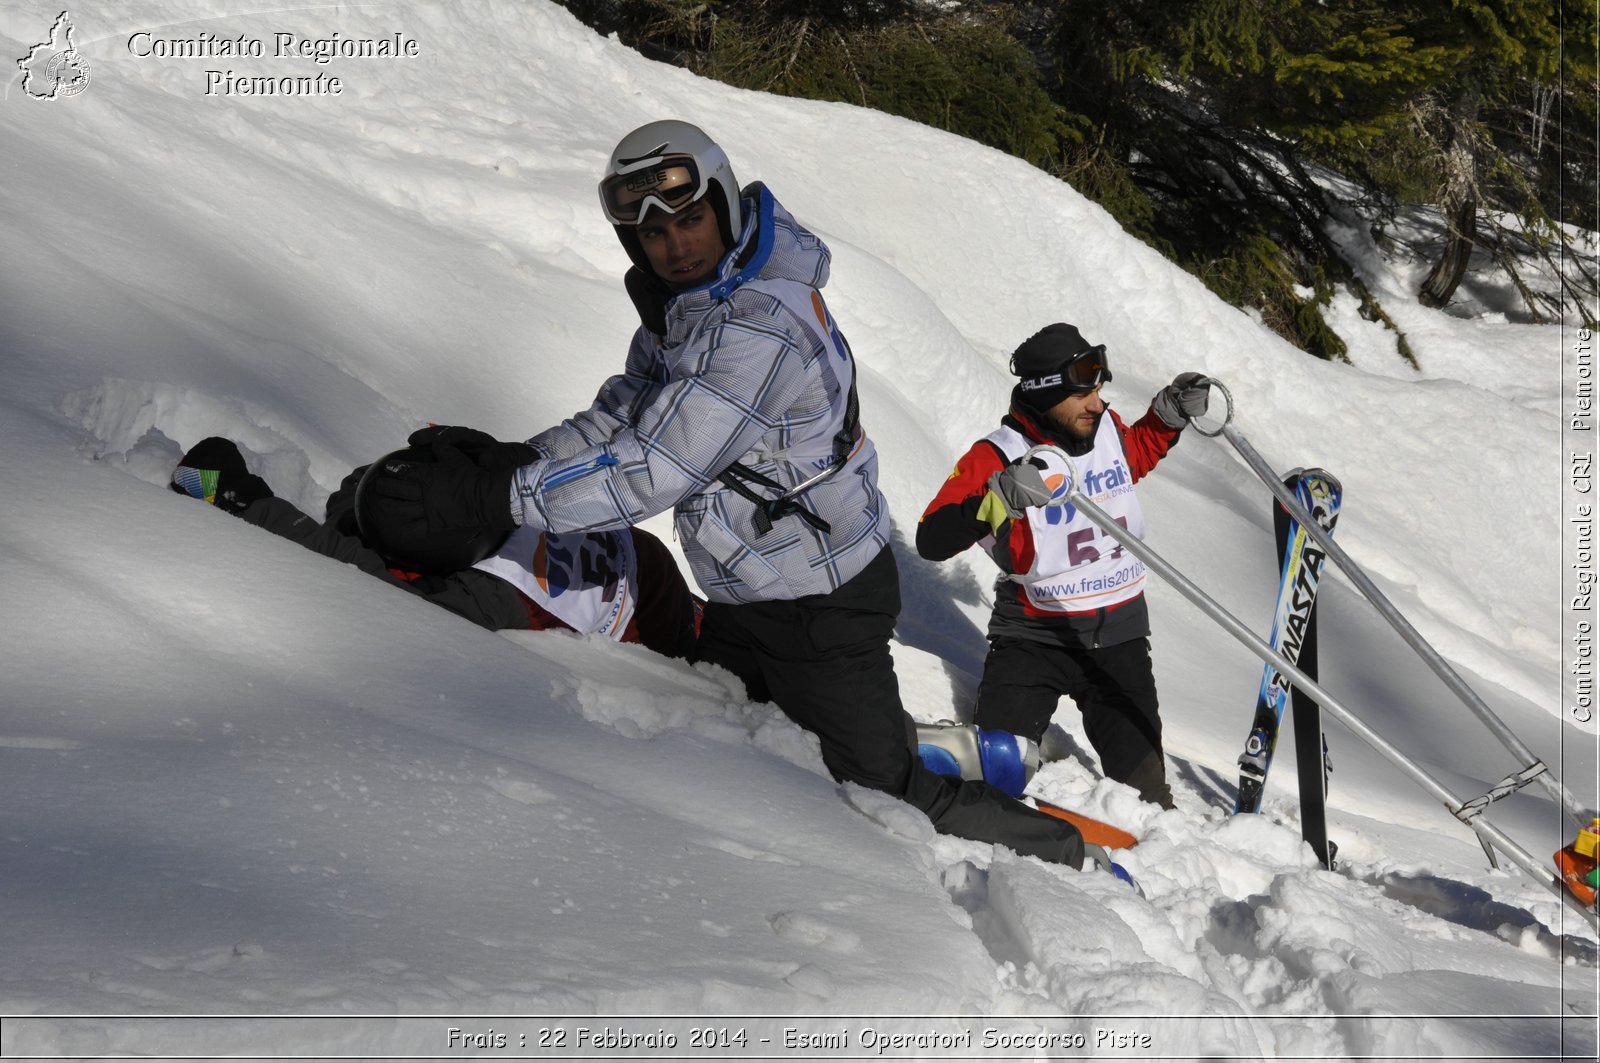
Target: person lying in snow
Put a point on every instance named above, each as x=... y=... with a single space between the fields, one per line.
x=623 y=584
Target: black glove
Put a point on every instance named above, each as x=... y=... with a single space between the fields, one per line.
x=1183 y=400
x=484 y=449
x=340 y=511
x=416 y=499
x=214 y=471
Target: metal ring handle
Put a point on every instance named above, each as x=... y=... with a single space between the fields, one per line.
x=1066 y=461
x=1227 y=397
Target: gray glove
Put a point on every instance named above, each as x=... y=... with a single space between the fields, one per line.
x=1183 y=400
x=1020 y=485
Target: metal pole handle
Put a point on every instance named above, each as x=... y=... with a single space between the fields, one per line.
x=1213 y=382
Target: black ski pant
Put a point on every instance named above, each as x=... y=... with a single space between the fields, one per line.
x=485 y=600
x=824 y=660
x=663 y=615
x=1113 y=686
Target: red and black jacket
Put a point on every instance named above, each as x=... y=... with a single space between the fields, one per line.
x=951 y=524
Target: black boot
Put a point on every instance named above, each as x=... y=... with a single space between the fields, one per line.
x=1149 y=777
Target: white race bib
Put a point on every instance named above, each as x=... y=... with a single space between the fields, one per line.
x=587 y=579
x=1077 y=567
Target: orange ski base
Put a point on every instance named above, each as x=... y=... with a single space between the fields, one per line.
x=1093 y=830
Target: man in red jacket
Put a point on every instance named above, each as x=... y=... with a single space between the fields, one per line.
x=1069 y=615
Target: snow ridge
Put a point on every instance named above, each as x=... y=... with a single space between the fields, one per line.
x=239 y=780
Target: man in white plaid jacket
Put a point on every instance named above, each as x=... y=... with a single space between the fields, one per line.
x=737 y=411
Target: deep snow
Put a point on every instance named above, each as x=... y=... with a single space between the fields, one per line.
x=236 y=779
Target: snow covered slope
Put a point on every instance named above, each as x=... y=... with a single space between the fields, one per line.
x=236 y=779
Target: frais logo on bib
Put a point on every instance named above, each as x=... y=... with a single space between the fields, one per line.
x=1097 y=483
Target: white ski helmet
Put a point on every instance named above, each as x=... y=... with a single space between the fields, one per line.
x=667 y=165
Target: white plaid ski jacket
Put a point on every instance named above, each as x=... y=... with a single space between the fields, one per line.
x=751 y=369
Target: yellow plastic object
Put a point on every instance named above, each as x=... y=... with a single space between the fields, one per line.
x=1588 y=842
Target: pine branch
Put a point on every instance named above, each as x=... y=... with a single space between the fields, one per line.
x=799 y=42
x=850 y=62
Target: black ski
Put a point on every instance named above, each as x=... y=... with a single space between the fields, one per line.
x=1294 y=636
x=1311 y=745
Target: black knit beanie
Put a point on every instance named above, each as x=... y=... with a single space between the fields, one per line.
x=1041 y=355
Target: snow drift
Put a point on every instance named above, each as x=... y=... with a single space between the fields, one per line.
x=237 y=779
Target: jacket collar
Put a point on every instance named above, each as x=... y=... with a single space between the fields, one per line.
x=652 y=297
x=1036 y=427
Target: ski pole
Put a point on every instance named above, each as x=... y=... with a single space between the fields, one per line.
x=1389 y=612
x=1487 y=832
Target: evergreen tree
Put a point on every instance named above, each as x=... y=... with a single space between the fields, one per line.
x=953 y=66
x=1211 y=108
x=1477 y=154
x=1200 y=124
x=1174 y=95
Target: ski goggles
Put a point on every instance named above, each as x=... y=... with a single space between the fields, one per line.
x=670 y=182
x=1084 y=371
